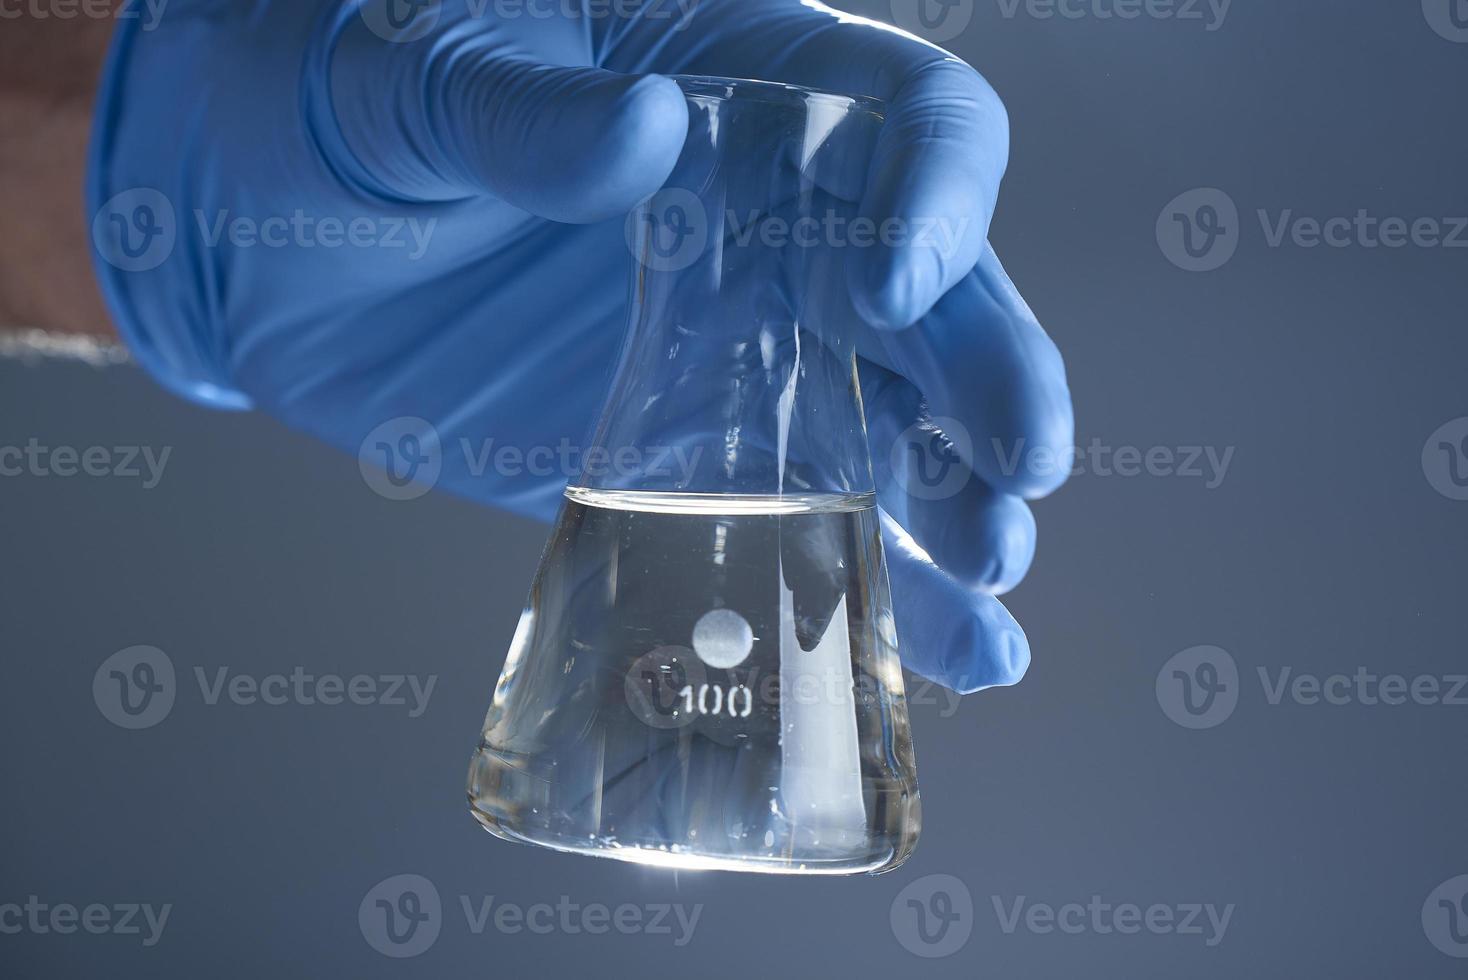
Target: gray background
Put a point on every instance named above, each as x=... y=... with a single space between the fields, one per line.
x=1325 y=548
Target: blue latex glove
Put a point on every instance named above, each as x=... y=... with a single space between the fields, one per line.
x=502 y=152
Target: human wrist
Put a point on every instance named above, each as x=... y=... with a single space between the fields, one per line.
x=49 y=73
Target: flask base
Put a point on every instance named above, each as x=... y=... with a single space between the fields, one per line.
x=682 y=859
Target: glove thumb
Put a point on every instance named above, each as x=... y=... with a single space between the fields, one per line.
x=454 y=121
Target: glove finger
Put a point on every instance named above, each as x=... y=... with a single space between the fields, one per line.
x=460 y=118
x=962 y=639
x=984 y=364
x=937 y=166
x=982 y=538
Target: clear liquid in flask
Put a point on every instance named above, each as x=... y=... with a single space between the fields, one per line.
x=705 y=681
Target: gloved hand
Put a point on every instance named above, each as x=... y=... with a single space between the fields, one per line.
x=344 y=213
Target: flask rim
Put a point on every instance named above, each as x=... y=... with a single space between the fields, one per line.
x=728 y=89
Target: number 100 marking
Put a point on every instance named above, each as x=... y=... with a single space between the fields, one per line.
x=720 y=702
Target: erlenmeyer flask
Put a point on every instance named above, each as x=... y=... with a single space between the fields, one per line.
x=706 y=675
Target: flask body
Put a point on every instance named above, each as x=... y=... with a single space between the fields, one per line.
x=706 y=674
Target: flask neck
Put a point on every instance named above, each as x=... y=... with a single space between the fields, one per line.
x=734 y=377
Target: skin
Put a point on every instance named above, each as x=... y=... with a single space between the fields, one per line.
x=49 y=70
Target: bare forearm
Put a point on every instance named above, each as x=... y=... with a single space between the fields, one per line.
x=49 y=68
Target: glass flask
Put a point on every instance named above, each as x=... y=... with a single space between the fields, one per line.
x=705 y=674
